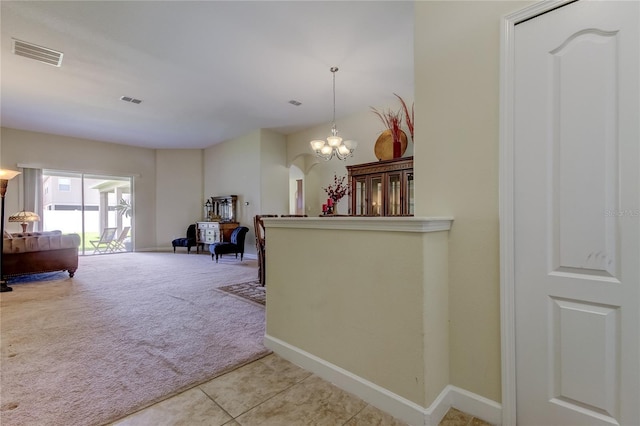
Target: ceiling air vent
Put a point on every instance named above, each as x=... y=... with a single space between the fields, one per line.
x=130 y=99
x=38 y=53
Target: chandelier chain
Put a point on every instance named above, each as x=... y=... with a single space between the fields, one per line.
x=334 y=70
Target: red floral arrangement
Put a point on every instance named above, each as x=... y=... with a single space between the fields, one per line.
x=338 y=189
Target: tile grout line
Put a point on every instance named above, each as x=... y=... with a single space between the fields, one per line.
x=356 y=414
x=261 y=402
x=218 y=405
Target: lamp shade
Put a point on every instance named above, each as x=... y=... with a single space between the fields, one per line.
x=24 y=217
x=8 y=174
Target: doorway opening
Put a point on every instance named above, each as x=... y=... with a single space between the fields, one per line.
x=89 y=205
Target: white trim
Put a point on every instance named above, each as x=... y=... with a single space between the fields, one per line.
x=363 y=223
x=84 y=171
x=385 y=400
x=474 y=404
x=506 y=203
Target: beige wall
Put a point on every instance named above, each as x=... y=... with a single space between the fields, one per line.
x=179 y=193
x=253 y=167
x=64 y=153
x=457 y=56
x=362 y=308
x=233 y=168
x=274 y=173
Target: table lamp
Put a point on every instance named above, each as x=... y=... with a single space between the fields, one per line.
x=24 y=217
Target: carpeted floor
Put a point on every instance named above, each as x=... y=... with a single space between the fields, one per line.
x=251 y=290
x=127 y=331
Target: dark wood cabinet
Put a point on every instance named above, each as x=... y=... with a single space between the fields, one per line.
x=382 y=188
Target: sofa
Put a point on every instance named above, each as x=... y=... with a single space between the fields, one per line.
x=37 y=252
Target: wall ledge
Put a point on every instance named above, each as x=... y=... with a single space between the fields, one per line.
x=363 y=223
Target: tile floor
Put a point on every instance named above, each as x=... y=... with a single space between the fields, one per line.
x=271 y=391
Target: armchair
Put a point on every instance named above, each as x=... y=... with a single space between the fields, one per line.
x=187 y=242
x=236 y=245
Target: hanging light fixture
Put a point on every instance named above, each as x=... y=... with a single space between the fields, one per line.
x=333 y=146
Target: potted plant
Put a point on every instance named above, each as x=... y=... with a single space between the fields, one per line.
x=124 y=208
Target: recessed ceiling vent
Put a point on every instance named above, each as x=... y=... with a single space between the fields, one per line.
x=38 y=53
x=294 y=102
x=130 y=99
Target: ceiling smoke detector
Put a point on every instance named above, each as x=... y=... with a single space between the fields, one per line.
x=37 y=53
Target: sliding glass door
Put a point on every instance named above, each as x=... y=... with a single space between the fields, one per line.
x=91 y=206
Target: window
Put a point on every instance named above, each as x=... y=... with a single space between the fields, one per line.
x=64 y=184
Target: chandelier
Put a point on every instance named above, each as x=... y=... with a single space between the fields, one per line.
x=333 y=146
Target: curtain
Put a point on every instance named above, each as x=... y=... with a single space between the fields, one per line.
x=32 y=202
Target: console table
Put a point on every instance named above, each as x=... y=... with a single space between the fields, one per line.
x=213 y=232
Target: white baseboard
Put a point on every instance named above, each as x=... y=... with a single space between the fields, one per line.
x=385 y=400
x=251 y=256
x=474 y=404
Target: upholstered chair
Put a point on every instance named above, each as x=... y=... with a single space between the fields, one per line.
x=187 y=242
x=235 y=245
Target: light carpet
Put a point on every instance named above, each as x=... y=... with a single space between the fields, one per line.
x=128 y=330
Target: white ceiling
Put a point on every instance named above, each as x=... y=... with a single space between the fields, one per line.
x=206 y=71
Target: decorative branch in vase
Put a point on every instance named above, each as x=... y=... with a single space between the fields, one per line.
x=336 y=192
x=409 y=119
x=393 y=121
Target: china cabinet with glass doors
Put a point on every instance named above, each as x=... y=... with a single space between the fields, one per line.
x=382 y=188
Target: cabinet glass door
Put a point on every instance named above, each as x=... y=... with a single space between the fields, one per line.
x=360 y=195
x=410 y=208
x=394 y=185
x=376 y=196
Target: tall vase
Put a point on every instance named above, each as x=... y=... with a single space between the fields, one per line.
x=397 y=149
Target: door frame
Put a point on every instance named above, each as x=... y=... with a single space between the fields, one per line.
x=507 y=200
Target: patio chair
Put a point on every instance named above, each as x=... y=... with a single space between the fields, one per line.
x=103 y=245
x=118 y=243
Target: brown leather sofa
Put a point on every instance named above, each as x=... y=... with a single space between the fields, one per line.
x=37 y=252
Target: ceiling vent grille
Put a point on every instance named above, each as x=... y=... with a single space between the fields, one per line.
x=38 y=53
x=130 y=99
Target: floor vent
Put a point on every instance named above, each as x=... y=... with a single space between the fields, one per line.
x=38 y=53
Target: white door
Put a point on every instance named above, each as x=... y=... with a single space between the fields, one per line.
x=577 y=215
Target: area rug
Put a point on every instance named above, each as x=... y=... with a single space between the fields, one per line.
x=127 y=331
x=252 y=291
